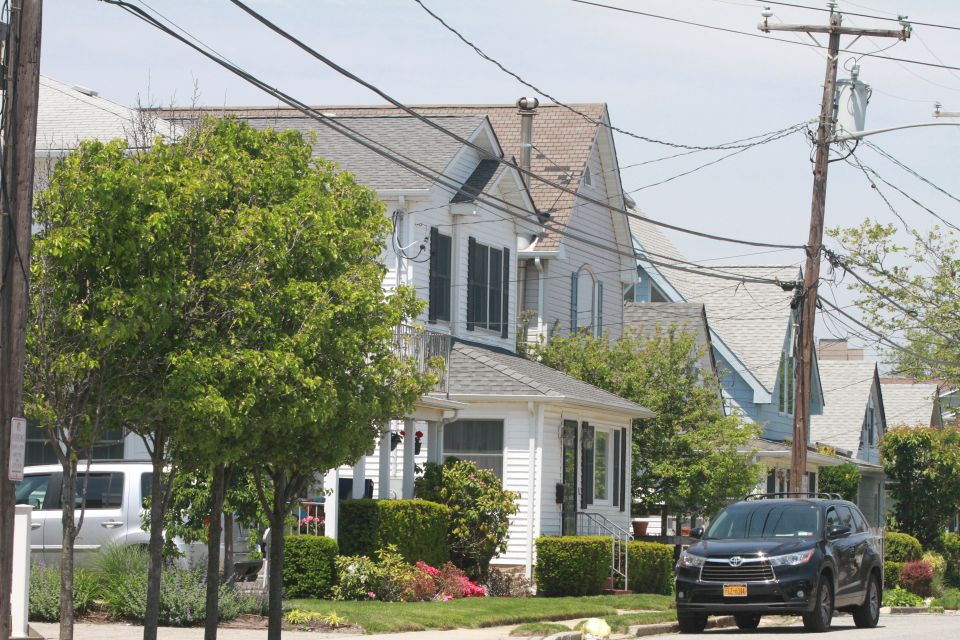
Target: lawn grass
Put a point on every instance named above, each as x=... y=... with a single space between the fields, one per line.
x=622 y=623
x=539 y=629
x=472 y=613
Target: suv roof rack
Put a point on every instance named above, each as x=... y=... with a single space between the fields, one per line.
x=794 y=494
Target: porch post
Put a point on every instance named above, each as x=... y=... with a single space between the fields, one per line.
x=331 y=503
x=409 y=428
x=359 y=477
x=383 y=490
x=434 y=442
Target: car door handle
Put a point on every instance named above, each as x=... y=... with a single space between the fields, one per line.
x=36 y=525
x=111 y=524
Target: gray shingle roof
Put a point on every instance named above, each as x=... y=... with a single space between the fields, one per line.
x=480 y=370
x=910 y=404
x=67 y=114
x=846 y=391
x=646 y=317
x=750 y=318
x=406 y=135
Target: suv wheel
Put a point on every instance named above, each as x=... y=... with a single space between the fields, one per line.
x=819 y=619
x=692 y=622
x=868 y=614
x=747 y=620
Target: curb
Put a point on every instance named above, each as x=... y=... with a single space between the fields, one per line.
x=641 y=630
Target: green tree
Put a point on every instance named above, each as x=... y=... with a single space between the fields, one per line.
x=923 y=473
x=843 y=480
x=480 y=511
x=686 y=458
x=912 y=292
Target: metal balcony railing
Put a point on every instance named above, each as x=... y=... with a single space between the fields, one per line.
x=422 y=346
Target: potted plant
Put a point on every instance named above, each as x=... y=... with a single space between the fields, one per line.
x=417 y=442
x=395 y=439
x=640 y=527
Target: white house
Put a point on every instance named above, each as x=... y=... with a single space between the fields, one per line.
x=561 y=444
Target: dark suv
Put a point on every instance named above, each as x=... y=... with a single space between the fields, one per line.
x=779 y=555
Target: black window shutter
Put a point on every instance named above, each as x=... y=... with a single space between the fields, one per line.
x=586 y=446
x=505 y=308
x=772 y=481
x=471 y=284
x=573 y=302
x=623 y=472
x=435 y=291
x=616 y=467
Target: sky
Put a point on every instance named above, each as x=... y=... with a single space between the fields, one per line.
x=663 y=80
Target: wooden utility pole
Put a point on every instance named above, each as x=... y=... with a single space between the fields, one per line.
x=806 y=307
x=21 y=87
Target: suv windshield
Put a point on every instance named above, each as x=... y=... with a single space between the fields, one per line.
x=760 y=520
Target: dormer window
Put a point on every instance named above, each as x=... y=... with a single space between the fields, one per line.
x=587 y=179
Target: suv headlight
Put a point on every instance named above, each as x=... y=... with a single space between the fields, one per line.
x=690 y=560
x=791 y=559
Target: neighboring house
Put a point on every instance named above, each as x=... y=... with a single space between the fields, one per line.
x=650 y=318
x=752 y=328
x=911 y=403
x=68 y=114
x=561 y=444
x=852 y=423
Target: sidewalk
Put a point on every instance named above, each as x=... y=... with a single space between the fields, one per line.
x=50 y=630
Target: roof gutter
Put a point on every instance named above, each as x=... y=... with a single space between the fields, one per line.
x=639 y=412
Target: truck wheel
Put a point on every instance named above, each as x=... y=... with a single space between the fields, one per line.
x=819 y=619
x=747 y=620
x=867 y=615
x=692 y=622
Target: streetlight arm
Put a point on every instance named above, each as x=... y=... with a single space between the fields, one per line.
x=856 y=135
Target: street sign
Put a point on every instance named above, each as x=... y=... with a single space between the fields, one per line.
x=18 y=448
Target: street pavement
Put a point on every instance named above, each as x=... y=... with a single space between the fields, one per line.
x=891 y=627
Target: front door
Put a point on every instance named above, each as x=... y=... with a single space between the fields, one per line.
x=569 y=508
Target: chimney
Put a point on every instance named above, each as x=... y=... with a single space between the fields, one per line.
x=838 y=349
x=527 y=108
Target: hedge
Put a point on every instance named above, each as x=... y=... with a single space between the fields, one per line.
x=901 y=547
x=309 y=566
x=891 y=574
x=572 y=565
x=650 y=567
x=417 y=528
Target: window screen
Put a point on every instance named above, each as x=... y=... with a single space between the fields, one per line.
x=478 y=440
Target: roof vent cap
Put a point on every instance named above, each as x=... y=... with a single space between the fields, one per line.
x=527 y=104
x=85 y=91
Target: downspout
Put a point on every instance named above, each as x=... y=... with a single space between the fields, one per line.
x=541 y=281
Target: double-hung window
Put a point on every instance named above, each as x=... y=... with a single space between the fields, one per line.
x=441 y=263
x=488 y=287
x=478 y=440
x=604 y=464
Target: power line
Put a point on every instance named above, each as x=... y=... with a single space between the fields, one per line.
x=762 y=37
x=559 y=102
x=348 y=74
x=402 y=160
x=909 y=170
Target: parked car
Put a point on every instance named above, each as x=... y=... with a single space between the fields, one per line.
x=116 y=497
x=767 y=555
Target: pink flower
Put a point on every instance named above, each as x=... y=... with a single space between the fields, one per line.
x=371 y=595
x=427 y=569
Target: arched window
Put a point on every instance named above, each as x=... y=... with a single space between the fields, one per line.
x=586 y=301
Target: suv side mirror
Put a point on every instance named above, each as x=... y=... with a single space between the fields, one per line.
x=696 y=533
x=838 y=531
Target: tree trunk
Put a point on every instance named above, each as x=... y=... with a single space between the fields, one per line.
x=227 y=547
x=213 y=553
x=69 y=490
x=278 y=517
x=158 y=504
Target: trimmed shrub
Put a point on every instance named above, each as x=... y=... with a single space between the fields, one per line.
x=309 y=566
x=417 y=528
x=938 y=564
x=650 y=567
x=949 y=545
x=891 y=574
x=901 y=547
x=45 y=592
x=917 y=577
x=572 y=565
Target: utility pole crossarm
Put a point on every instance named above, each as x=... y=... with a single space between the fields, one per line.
x=901 y=34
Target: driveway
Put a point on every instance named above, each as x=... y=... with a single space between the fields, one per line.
x=906 y=627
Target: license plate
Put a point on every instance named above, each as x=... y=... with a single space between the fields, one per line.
x=734 y=591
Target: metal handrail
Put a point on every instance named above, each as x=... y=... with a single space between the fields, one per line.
x=620 y=540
